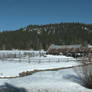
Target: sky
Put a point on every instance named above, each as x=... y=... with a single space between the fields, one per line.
x=15 y=14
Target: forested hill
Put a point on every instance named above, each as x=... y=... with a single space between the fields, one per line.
x=42 y=36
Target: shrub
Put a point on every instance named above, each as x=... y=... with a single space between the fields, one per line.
x=84 y=72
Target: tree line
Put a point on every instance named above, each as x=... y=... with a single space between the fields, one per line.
x=42 y=36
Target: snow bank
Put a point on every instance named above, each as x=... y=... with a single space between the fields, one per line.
x=49 y=81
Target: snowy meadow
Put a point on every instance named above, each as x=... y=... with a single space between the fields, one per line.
x=63 y=79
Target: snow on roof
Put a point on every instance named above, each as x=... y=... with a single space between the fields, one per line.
x=67 y=46
x=55 y=46
x=73 y=46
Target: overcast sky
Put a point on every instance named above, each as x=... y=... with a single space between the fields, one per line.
x=15 y=14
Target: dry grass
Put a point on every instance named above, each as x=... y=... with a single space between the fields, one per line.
x=84 y=72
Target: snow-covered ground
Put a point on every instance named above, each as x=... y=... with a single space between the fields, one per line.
x=15 y=66
x=49 y=81
x=64 y=80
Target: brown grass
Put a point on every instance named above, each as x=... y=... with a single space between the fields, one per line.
x=84 y=72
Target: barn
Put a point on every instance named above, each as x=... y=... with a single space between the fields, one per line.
x=70 y=49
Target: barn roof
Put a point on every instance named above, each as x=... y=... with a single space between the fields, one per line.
x=53 y=46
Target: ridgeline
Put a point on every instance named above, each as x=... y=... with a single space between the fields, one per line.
x=42 y=36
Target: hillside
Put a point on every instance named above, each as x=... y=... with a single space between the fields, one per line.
x=42 y=36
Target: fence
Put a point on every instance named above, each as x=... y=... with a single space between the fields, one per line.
x=33 y=57
x=30 y=57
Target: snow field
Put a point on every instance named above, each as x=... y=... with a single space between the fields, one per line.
x=64 y=80
x=13 y=68
x=49 y=81
x=23 y=61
